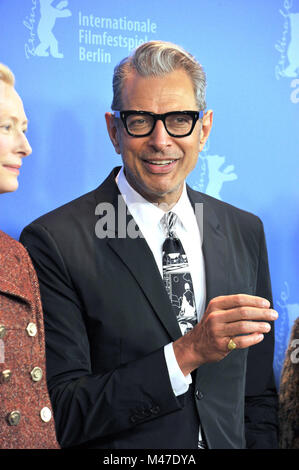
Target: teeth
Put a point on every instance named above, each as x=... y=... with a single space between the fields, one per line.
x=161 y=162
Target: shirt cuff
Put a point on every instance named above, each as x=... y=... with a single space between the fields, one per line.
x=179 y=382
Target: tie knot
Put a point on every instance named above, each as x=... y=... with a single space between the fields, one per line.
x=170 y=220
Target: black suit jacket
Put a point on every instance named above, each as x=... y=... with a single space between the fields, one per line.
x=108 y=317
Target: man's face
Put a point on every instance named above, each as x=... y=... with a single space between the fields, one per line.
x=13 y=142
x=157 y=165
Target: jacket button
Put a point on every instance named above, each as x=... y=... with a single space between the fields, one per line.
x=155 y=410
x=31 y=329
x=145 y=413
x=198 y=394
x=13 y=418
x=5 y=376
x=36 y=374
x=45 y=414
x=2 y=331
x=133 y=419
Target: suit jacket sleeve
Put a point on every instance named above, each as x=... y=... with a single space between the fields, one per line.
x=261 y=423
x=90 y=406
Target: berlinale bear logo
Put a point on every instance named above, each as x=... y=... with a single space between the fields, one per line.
x=293 y=50
x=49 y=14
x=48 y=44
x=288 y=47
x=213 y=173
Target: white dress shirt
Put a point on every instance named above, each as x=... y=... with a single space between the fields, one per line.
x=148 y=218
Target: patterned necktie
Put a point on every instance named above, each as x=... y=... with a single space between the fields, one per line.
x=177 y=277
x=178 y=283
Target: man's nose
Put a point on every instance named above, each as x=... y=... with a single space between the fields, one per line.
x=159 y=138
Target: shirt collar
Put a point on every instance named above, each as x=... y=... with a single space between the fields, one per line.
x=145 y=212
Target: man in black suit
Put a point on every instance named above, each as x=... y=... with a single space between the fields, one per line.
x=120 y=372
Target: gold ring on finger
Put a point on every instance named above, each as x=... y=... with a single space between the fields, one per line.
x=231 y=345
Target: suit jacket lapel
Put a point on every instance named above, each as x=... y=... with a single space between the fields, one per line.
x=12 y=289
x=137 y=256
x=214 y=245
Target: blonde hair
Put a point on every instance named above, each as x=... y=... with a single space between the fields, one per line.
x=6 y=75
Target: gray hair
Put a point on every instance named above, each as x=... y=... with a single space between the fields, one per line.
x=155 y=59
x=6 y=75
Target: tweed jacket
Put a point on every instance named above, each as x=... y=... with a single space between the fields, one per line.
x=26 y=417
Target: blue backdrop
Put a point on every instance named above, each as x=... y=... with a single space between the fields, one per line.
x=63 y=55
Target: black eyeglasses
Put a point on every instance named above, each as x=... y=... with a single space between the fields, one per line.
x=142 y=123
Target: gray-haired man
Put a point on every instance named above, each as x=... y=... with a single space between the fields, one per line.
x=124 y=370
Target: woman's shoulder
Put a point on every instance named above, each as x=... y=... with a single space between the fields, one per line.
x=15 y=265
x=11 y=247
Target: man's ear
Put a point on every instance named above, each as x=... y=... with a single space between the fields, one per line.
x=207 y=122
x=113 y=131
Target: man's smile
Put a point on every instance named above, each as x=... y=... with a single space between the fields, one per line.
x=160 y=166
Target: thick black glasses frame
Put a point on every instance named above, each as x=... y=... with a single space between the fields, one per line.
x=162 y=117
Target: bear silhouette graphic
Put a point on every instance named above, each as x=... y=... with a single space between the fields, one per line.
x=46 y=24
x=293 y=314
x=218 y=176
x=293 y=49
